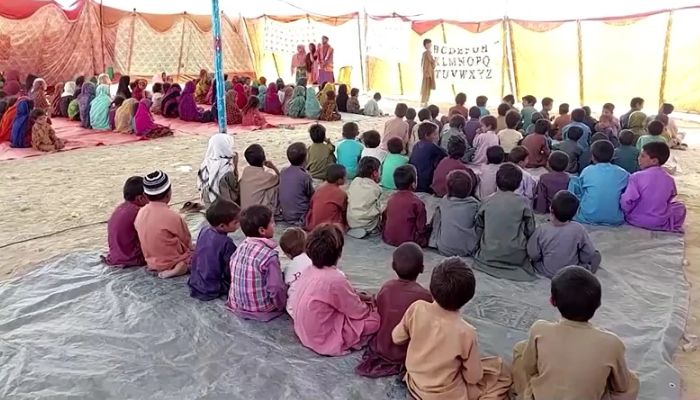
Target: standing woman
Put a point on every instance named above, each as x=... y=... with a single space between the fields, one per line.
x=325 y=55
x=299 y=70
x=312 y=64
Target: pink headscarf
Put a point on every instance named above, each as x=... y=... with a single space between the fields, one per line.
x=11 y=88
x=241 y=98
x=299 y=59
x=272 y=100
x=143 y=120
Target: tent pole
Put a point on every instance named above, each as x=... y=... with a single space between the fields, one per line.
x=504 y=59
x=398 y=64
x=359 y=46
x=664 y=64
x=580 y=61
x=512 y=62
x=218 y=66
x=182 y=46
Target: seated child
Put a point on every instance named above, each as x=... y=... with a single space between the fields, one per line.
x=547 y=104
x=411 y=121
x=364 y=208
x=481 y=103
x=251 y=114
x=330 y=318
x=296 y=186
x=510 y=137
x=329 y=108
x=426 y=155
x=259 y=185
x=456 y=129
x=572 y=149
x=329 y=203
x=392 y=161
x=423 y=115
x=473 y=125
x=503 y=109
x=404 y=219
x=654 y=129
x=372 y=107
x=349 y=150
x=382 y=357
x=648 y=202
x=561 y=121
x=257 y=289
x=556 y=362
x=443 y=359
x=487 y=173
x=528 y=184
x=537 y=146
x=293 y=244
x=123 y=241
x=43 y=135
x=353 y=104
x=397 y=126
x=453 y=230
x=578 y=117
x=434 y=113
x=627 y=155
x=210 y=276
x=372 y=140
x=459 y=107
x=504 y=223
x=528 y=110
x=562 y=242
x=551 y=182
x=599 y=188
x=164 y=236
x=112 y=114
x=456 y=148
x=487 y=138
x=321 y=153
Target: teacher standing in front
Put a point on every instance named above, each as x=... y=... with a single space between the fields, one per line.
x=428 y=67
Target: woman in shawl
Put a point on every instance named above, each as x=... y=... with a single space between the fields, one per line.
x=299 y=63
x=328 y=110
x=202 y=88
x=144 y=125
x=262 y=91
x=312 y=64
x=637 y=124
x=118 y=101
x=87 y=94
x=21 y=127
x=29 y=83
x=123 y=87
x=103 y=79
x=240 y=95
x=218 y=174
x=312 y=108
x=297 y=105
x=251 y=114
x=187 y=107
x=99 y=109
x=139 y=92
x=323 y=94
x=287 y=98
x=38 y=95
x=171 y=100
x=56 y=100
x=12 y=88
x=66 y=97
x=124 y=117
x=272 y=100
x=341 y=100
x=234 y=115
x=7 y=119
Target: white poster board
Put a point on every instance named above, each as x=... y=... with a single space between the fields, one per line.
x=388 y=39
x=283 y=38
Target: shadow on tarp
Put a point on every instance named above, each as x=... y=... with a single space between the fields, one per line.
x=76 y=329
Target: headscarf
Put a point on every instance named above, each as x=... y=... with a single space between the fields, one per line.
x=103 y=79
x=68 y=89
x=636 y=123
x=29 y=82
x=143 y=120
x=298 y=103
x=11 y=88
x=342 y=98
x=123 y=87
x=202 y=88
x=216 y=163
x=299 y=59
x=87 y=94
x=138 y=92
x=288 y=94
x=124 y=115
x=56 y=100
x=234 y=115
x=310 y=57
x=187 y=107
x=99 y=109
x=11 y=75
x=262 y=90
x=20 y=125
x=169 y=103
x=272 y=100
x=38 y=96
x=312 y=108
x=240 y=95
x=6 y=122
x=323 y=94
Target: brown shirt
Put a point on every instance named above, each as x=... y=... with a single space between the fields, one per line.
x=259 y=186
x=537 y=149
x=328 y=204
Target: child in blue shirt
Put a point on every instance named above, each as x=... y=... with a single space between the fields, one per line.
x=348 y=150
x=426 y=155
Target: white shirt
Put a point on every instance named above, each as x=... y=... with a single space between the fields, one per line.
x=292 y=273
x=372 y=108
x=378 y=153
x=509 y=138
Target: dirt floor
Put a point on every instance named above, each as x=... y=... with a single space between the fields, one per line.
x=58 y=203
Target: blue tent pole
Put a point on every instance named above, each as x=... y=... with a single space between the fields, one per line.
x=218 y=66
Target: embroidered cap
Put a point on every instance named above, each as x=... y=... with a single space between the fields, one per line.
x=156 y=183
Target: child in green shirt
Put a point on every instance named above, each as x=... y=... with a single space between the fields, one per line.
x=392 y=161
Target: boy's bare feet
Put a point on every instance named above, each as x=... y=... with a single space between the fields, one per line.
x=179 y=269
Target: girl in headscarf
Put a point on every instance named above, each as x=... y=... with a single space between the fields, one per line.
x=328 y=110
x=298 y=103
x=87 y=94
x=218 y=174
x=56 y=100
x=123 y=87
x=637 y=124
x=78 y=85
x=118 y=101
x=66 y=98
x=312 y=64
x=12 y=88
x=187 y=107
x=157 y=98
x=38 y=95
x=234 y=115
x=287 y=98
x=170 y=103
x=240 y=95
x=202 y=88
x=251 y=115
x=272 y=100
x=341 y=100
x=103 y=79
x=29 y=83
x=43 y=135
x=299 y=63
x=21 y=126
x=312 y=108
x=99 y=109
x=124 y=117
x=7 y=119
x=323 y=94
x=140 y=90
x=144 y=125
x=262 y=91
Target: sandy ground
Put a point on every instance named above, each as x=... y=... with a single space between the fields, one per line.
x=58 y=203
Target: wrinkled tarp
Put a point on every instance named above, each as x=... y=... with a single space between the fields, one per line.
x=75 y=329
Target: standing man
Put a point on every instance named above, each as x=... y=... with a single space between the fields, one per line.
x=428 y=66
x=325 y=74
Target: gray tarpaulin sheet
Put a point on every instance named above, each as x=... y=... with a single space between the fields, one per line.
x=75 y=329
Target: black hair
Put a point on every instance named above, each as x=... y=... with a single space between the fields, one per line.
x=395 y=145
x=354 y=92
x=253 y=218
x=530 y=99
x=293 y=241
x=626 y=137
x=658 y=151
x=578 y=115
x=452 y=284
x=547 y=101
x=222 y=212
x=667 y=108
x=460 y=99
x=598 y=136
x=456 y=147
x=503 y=109
x=133 y=188
x=158 y=87
x=481 y=101
x=509 y=98
x=576 y=292
x=367 y=166
x=426 y=41
x=636 y=102
x=118 y=101
x=36 y=113
x=400 y=110
x=536 y=117
x=434 y=111
x=457 y=121
x=609 y=106
x=255 y=155
x=513 y=119
x=350 y=130
x=296 y=153
x=495 y=155
x=587 y=110
x=475 y=112
x=508 y=177
x=655 y=128
x=335 y=173
x=564 y=206
x=411 y=113
x=602 y=151
x=405 y=176
x=518 y=154
x=377 y=96
x=426 y=129
x=564 y=108
x=558 y=161
x=317 y=133
x=574 y=133
x=324 y=245
x=459 y=184
x=423 y=114
x=490 y=122
x=542 y=126
x=407 y=261
x=372 y=139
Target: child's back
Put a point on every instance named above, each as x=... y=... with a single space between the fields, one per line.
x=555 y=246
x=122 y=238
x=426 y=155
x=627 y=158
x=329 y=203
x=348 y=152
x=320 y=156
x=453 y=225
x=364 y=208
x=482 y=142
x=391 y=162
x=551 y=182
x=404 y=218
x=296 y=186
x=574 y=151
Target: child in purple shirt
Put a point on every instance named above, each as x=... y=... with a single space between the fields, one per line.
x=123 y=241
x=296 y=186
x=551 y=182
x=210 y=277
